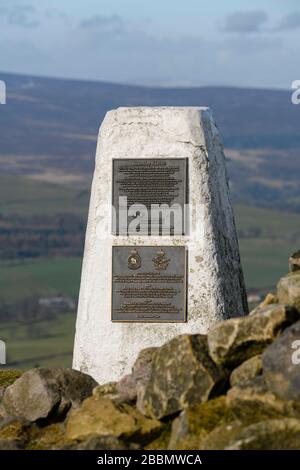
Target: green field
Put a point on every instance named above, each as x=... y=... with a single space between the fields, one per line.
x=40 y=277
x=48 y=344
x=273 y=224
x=265 y=258
x=264 y=262
x=25 y=197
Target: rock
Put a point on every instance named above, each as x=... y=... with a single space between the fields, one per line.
x=221 y=436
x=252 y=401
x=141 y=371
x=41 y=392
x=294 y=262
x=108 y=390
x=270 y=299
x=103 y=417
x=98 y=443
x=182 y=374
x=13 y=433
x=50 y=437
x=288 y=289
x=10 y=445
x=247 y=370
x=162 y=441
x=127 y=389
x=281 y=364
x=195 y=422
x=281 y=434
x=234 y=341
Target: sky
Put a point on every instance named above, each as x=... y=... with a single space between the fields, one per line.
x=154 y=42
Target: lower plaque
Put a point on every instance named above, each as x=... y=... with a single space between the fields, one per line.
x=149 y=283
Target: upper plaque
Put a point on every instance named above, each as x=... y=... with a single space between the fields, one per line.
x=149 y=196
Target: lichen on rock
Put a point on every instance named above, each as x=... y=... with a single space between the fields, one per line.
x=247 y=370
x=182 y=374
x=197 y=421
x=233 y=341
x=100 y=416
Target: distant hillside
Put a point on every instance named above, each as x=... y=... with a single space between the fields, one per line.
x=48 y=128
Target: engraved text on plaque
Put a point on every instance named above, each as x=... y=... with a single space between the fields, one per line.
x=149 y=283
x=150 y=182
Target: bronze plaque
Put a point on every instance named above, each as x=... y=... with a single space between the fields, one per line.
x=148 y=284
x=148 y=182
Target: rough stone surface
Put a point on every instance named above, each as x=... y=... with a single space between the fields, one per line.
x=103 y=417
x=14 y=433
x=247 y=370
x=10 y=445
x=221 y=436
x=268 y=300
x=234 y=341
x=195 y=422
x=281 y=364
x=51 y=437
x=215 y=281
x=108 y=390
x=141 y=371
x=97 y=443
x=182 y=374
x=40 y=392
x=283 y=434
x=252 y=401
x=288 y=289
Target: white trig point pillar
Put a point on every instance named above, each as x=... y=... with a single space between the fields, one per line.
x=164 y=260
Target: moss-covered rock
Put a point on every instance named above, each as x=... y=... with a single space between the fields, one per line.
x=288 y=289
x=108 y=390
x=182 y=374
x=233 y=341
x=221 y=436
x=195 y=422
x=162 y=441
x=252 y=401
x=283 y=434
x=101 y=416
x=14 y=432
x=50 y=437
x=247 y=370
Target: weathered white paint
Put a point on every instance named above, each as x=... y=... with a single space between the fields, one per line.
x=107 y=350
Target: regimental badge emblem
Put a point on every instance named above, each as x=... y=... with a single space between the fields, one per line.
x=134 y=260
x=160 y=262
